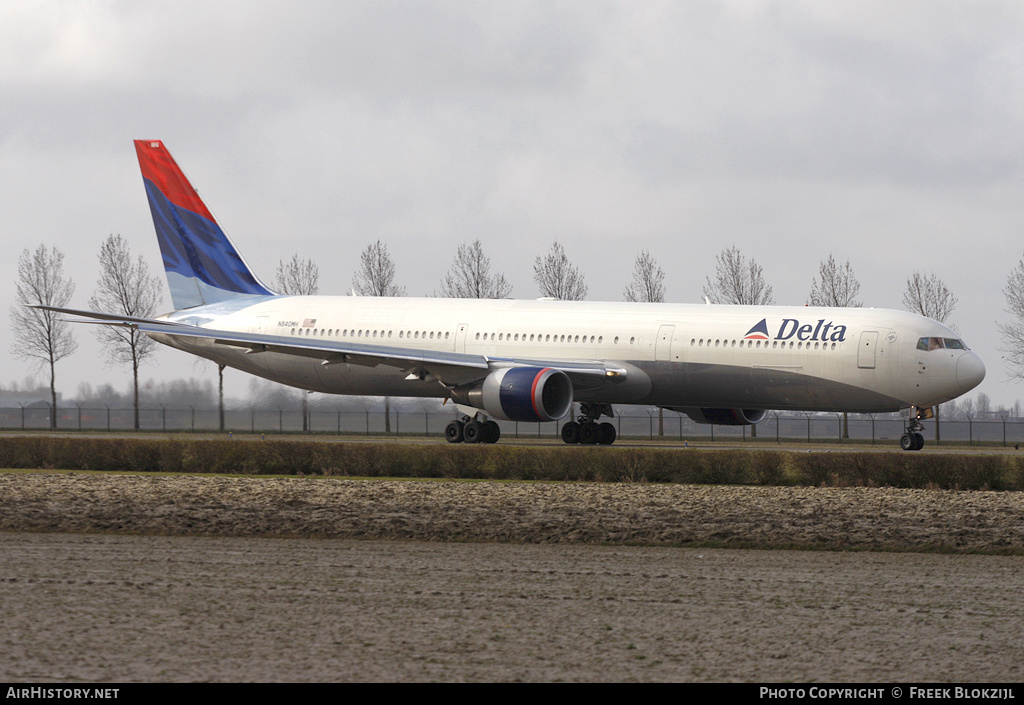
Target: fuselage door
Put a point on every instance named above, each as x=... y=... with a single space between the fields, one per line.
x=866 y=351
x=460 y=338
x=663 y=345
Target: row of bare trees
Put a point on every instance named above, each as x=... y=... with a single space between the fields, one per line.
x=470 y=276
x=736 y=281
x=125 y=287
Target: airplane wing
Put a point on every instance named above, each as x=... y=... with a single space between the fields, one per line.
x=450 y=368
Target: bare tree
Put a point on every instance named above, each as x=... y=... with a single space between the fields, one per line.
x=557 y=278
x=42 y=336
x=376 y=274
x=984 y=405
x=737 y=282
x=838 y=285
x=648 y=283
x=470 y=276
x=297 y=278
x=376 y=277
x=928 y=296
x=125 y=286
x=220 y=395
x=1013 y=331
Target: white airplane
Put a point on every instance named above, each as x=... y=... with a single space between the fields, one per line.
x=530 y=360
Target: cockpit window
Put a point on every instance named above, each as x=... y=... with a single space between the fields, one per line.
x=940 y=343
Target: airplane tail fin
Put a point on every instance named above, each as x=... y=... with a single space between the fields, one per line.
x=202 y=265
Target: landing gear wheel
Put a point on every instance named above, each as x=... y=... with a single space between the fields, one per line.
x=472 y=432
x=453 y=432
x=571 y=432
x=911 y=441
x=606 y=434
x=588 y=433
x=491 y=432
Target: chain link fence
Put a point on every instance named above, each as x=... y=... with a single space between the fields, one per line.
x=630 y=423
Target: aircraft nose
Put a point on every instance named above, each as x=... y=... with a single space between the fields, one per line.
x=969 y=371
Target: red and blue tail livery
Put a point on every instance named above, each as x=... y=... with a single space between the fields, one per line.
x=202 y=265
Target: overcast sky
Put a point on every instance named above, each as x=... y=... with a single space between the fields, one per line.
x=885 y=133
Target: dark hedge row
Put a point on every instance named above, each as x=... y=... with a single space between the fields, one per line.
x=441 y=460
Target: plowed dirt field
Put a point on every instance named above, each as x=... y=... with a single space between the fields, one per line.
x=135 y=578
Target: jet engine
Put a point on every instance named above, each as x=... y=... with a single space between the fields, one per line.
x=725 y=417
x=520 y=394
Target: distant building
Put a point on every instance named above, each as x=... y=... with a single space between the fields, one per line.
x=32 y=398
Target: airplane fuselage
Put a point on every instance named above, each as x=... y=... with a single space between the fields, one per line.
x=675 y=355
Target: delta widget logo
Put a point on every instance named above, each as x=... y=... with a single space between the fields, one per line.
x=758 y=332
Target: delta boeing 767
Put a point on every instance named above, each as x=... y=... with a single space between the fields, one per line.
x=530 y=360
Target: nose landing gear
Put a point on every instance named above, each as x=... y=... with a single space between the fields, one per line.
x=912 y=438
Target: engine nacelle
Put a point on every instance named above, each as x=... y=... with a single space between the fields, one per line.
x=725 y=417
x=520 y=394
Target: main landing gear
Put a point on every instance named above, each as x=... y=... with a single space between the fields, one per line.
x=586 y=430
x=467 y=430
x=912 y=438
